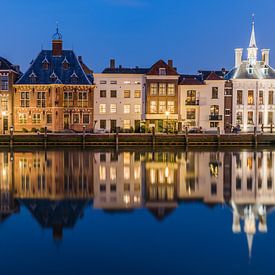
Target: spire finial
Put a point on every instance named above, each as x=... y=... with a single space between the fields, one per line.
x=253 y=18
x=57 y=35
x=252 y=43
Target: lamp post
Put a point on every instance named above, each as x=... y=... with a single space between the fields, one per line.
x=167 y=113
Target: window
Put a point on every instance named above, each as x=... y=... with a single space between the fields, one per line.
x=215 y=92
x=270 y=118
x=4 y=104
x=102 y=124
x=162 y=89
x=127 y=94
x=162 y=107
x=36 y=118
x=41 y=99
x=238 y=183
x=127 y=108
x=249 y=184
x=76 y=118
x=171 y=89
x=250 y=97
x=261 y=98
x=112 y=108
x=171 y=107
x=127 y=124
x=113 y=93
x=227 y=112
x=103 y=82
x=214 y=110
x=22 y=118
x=137 y=94
x=137 y=109
x=86 y=119
x=260 y=117
x=239 y=118
x=154 y=89
x=191 y=114
x=113 y=82
x=162 y=71
x=153 y=107
x=68 y=99
x=270 y=98
x=25 y=99
x=4 y=83
x=102 y=93
x=239 y=97
x=214 y=124
x=250 y=118
x=191 y=97
x=49 y=119
x=102 y=108
x=127 y=82
x=82 y=99
x=213 y=189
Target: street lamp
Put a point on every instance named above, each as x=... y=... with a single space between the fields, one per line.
x=167 y=113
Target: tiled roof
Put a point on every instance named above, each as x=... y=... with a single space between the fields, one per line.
x=206 y=74
x=161 y=64
x=214 y=76
x=64 y=75
x=259 y=71
x=121 y=70
x=190 y=80
x=6 y=65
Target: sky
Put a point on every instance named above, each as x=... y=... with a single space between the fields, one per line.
x=196 y=34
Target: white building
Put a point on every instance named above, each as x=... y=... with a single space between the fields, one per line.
x=119 y=99
x=201 y=100
x=253 y=88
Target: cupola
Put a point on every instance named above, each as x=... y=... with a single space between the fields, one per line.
x=57 y=43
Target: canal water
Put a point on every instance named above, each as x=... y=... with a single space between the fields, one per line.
x=162 y=212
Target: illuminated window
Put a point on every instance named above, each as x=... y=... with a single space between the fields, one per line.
x=82 y=99
x=153 y=107
x=249 y=163
x=239 y=97
x=68 y=99
x=127 y=94
x=137 y=94
x=250 y=118
x=22 y=118
x=250 y=97
x=25 y=99
x=137 y=173
x=102 y=173
x=171 y=89
x=127 y=108
x=153 y=89
x=41 y=100
x=191 y=114
x=126 y=172
x=127 y=124
x=112 y=173
x=4 y=104
x=137 y=109
x=171 y=107
x=4 y=80
x=102 y=108
x=36 y=118
x=215 y=92
x=239 y=118
x=270 y=118
x=162 y=107
x=153 y=176
x=162 y=89
x=76 y=118
x=126 y=158
x=112 y=108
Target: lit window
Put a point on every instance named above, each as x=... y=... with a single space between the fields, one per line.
x=126 y=172
x=162 y=107
x=41 y=99
x=239 y=118
x=153 y=107
x=127 y=82
x=250 y=118
x=36 y=118
x=126 y=158
x=171 y=89
x=250 y=97
x=25 y=99
x=171 y=107
x=127 y=124
x=127 y=94
x=112 y=173
x=4 y=81
x=112 y=108
x=102 y=108
x=137 y=109
x=137 y=94
x=127 y=108
x=102 y=173
x=137 y=82
x=76 y=118
x=137 y=173
x=4 y=104
x=22 y=118
x=162 y=89
x=153 y=89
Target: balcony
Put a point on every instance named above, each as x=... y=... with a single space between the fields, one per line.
x=189 y=102
x=215 y=117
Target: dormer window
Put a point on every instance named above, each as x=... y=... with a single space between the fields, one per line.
x=33 y=77
x=74 y=78
x=250 y=70
x=265 y=70
x=45 y=64
x=162 y=71
x=53 y=77
x=65 y=64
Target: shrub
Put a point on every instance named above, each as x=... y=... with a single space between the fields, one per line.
x=34 y=130
x=24 y=130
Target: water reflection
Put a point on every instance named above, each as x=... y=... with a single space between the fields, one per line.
x=57 y=186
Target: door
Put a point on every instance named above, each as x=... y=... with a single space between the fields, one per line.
x=113 y=126
x=5 y=124
x=66 y=121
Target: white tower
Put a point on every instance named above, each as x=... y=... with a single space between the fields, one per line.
x=252 y=50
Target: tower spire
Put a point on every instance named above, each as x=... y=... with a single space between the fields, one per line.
x=252 y=43
x=252 y=49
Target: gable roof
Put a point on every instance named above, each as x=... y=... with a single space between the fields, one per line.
x=161 y=64
x=213 y=76
x=190 y=80
x=43 y=76
x=7 y=65
x=219 y=73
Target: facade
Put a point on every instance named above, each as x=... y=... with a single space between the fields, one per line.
x=56 y=92
x=201 y=100
x=119 y=99
x=9 y=74
x=162 y=99
x=253 y=84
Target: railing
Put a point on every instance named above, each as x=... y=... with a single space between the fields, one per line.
x=215 y=117
x=192 y=102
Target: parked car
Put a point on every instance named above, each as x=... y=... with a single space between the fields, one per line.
x=100 y=131
x=195 y=130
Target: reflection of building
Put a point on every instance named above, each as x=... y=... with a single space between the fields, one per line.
x=253 y=191
x=8 y=75
x=117 y=181
x=56 y=91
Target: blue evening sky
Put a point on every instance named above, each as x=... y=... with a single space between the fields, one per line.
x=197 y=34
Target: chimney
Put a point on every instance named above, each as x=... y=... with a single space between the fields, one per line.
x=238 y=57
x=112 y=63
x=57 y=47
x=170 y=63
x=265 y=56
x=80 y=59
